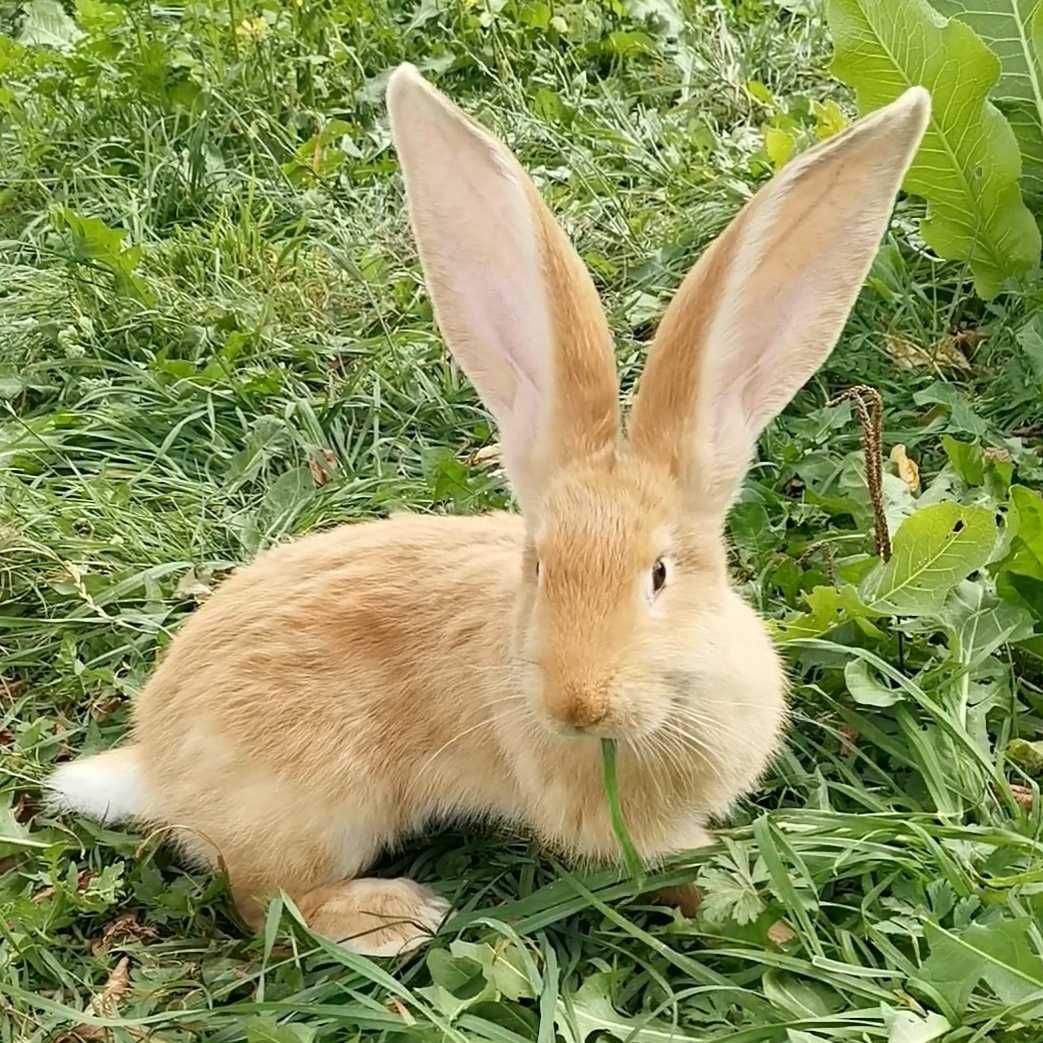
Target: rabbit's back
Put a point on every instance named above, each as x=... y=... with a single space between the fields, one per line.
x=334 y=664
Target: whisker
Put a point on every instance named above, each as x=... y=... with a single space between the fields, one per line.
x=467 y=731
x=513 y=697
x=710 y=755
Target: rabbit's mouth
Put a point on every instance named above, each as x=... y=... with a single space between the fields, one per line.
x=620 y=711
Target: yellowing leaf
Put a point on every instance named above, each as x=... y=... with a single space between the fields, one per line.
x=779 y=145
x=759 y=92
x=829 y=119
x=487 y=456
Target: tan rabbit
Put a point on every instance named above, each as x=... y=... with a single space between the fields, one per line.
x=350 y=688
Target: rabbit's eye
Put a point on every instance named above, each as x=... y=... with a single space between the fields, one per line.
x=658 y=576
x=537 y=568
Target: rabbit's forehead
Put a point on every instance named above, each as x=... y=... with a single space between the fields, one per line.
x=604 y=516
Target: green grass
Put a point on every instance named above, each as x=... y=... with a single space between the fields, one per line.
x=263 y=362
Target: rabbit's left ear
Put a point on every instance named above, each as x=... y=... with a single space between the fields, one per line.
x=763 y=307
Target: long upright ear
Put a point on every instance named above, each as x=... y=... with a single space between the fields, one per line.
x=512 y=297
x=763 y=307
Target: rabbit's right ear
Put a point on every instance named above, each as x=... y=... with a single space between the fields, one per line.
x=513 y=300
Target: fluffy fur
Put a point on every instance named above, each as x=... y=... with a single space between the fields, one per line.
x=348 y=688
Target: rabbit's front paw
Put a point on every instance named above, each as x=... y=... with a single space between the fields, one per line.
x=375 y=917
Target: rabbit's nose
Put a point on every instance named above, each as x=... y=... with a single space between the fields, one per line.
x=581 y=705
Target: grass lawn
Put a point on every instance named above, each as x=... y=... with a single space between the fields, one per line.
x=213 y=337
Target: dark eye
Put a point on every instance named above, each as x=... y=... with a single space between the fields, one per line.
x=537 y=568
x=658 y=576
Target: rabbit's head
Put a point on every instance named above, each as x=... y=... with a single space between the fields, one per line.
x=626 y=613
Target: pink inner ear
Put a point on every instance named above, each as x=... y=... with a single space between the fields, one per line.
x=808 y=242
x=763 y=308
x=476 y=233
x=493 y=261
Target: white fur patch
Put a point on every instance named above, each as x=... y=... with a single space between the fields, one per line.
x=107 y=787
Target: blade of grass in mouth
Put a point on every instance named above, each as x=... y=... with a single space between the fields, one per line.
x=632 y=860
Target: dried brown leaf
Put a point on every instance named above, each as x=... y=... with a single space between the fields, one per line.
x=848 y=739
x=945 y=353
x=322 y=465
x=11 y=687
x=968 y=339
x=685 y=897
x=948 y=351
x=108 y=704
x=487 y=456
x=1022 y=794
x=194 y=585
x=105 y=1005
x=907 y=469
x=393 y=1003
x=125 y=928
x=24 y=808
x=780 y=933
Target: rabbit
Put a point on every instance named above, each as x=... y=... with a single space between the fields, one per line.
x=354 y=686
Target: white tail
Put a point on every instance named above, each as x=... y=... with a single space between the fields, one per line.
x=107 y=787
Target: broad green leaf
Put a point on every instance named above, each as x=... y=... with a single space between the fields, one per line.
x=1027 y=755
x=97 y=16
x=969 y=164
x=268 y=1030
x=45 y=24
x=979 y=623
x=798 y=997
x=907 y=1027
x=1002 y=954
x=934 y=550
x=94 y=242
x=1019 y=576
x=1023 y=117
x=457 y=983
x=966 y=458
x=503 y=966
x=1026 y=520
x=867 y=689
x=828 y=607
x=1009 y=28
x=1013 y=29
x=592 y=1011
x=1030 y=340
x=962 y=415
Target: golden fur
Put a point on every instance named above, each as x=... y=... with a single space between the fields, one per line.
x=347 y=689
